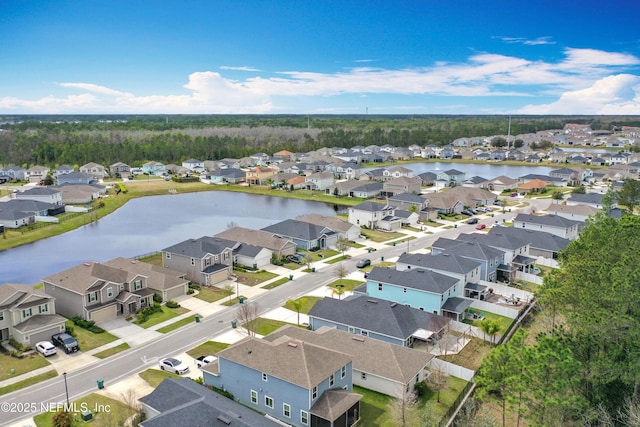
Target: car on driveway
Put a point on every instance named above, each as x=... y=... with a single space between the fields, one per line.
x=481 y=226
x=205 y=360
x=298 y=258
x=472 y=221
x=365 y=262
x=173 y=365
x=45 y=348
x=66 y=341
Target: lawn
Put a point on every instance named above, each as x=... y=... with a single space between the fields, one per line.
x=166 y=314
x=265 y=326
x=176 y=325
x=252 y=279
x=337 y=259
x=381 y=264
x=87 y=339
x=20 y=366
x=276 y=283
x=207 y=348
x=210 y=294
x=113 y=350
x=107 y=412
x=28 y=382
x=471 y=355
x=503 y=322
x=155 y=376
x=155 y=259
x=347 y=284
x=400 y=242
x=320 y=255
x=308 y=303
x=380 y=236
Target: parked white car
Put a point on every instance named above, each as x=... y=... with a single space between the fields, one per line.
x=46 y=348
x=204 y=360
x=173 y=365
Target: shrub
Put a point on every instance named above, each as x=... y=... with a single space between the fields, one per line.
x=421 y=389
x=143 y=315
x=89 y=325
x=172 y=304
x=225 y=393
x=191 y=291
x=18 y=346
x=157 y=298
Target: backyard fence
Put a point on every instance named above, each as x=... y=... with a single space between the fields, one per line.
x=529 y=277
x=452 y=369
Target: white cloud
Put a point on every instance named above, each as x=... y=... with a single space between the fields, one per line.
x=227 y=67
x=528 y=42
x=618 y=94
x=581 y=74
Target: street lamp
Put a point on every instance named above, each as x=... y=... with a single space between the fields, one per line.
x=66 y=388
x=237 y=293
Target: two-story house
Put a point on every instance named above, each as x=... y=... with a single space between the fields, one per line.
x=259 y=175
x=27 y=315
x=299 y=383
x=374 y=215
x=41 y=194
x=98 y=292
x=37 y=173
x=207 y=260
x=554 y=224
x=153 y=168
x=488 y=257
x=319 y=181
x=95 y=170
x=402 y=184
x=120 y=169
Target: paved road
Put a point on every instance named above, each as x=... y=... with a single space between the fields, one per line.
x=122 y=365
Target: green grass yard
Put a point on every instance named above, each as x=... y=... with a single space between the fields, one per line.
x=207 y=348
x=166 y=314
x=88 y=340
x=308 y=304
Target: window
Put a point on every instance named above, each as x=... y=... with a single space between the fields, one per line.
x=332 y=380
x=380 y=286
x=193 y=261
x=138 y=284
x=365 y=333
x=26 y=313
x=254 y=396
x=207 y=262
x=1 y=316
x=286 y=410
x=343 y=372
x=226 y=256
x=215 y=258
x=404 y=290
x=167 y=255
x=314 y=392
x=109 y=292
x=363 y=375
x=268 y=402
x=264 y=377
x=351 y=330
x=93 y=296
x=304 y=417
x=44 y=308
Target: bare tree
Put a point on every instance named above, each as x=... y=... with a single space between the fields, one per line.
x=231 y=224
x=437 y=380
x=342 y=245
x=227 y=291
x=404 y=410
x=247 y=315
x=129 y=397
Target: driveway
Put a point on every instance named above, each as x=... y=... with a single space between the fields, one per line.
x=132 y=334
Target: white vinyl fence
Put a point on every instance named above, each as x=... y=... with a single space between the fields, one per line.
x=509 y=312
x=451 y=369
x=548 y=262
x=529 y=277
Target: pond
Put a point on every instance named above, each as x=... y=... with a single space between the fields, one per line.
x=149 y=224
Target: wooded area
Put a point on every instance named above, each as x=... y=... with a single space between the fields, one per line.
x=77 y=140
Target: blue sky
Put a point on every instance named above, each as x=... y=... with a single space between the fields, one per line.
x=320 y=57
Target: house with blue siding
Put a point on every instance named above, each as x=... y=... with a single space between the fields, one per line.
x=299 y=383
x=418 y=288
x=377 y=318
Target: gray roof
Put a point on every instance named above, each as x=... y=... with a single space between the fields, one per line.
x=332 y=222
x=418 y=278
x=549 y=220
x=372 y=186
x=256 y=238
x=496 y=240
x=536 y=239
x=476 y=180
x=468 y=249
x=377 y=315
x=456 y=304
x=38 y=191
x=442 y=262
x=199 y=248
x=158 y=277
x=298 y=229
x=407 y=197
x=591 y=198
x=546 y=178
x=371 y=207
x=183 y=402
x=34 y=323
x=26 y=205
x=87 y=276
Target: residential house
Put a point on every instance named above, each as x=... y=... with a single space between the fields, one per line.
x=571 y=176
x=41 y=194
x=297 y=382
x=501 y=183
x=194 y=165
x=452 y=176
x=475 y=182
x=15 y=172
x=377 y=365
x=280 y=246
x=447 y=153
x=535 y=186
x=80 y=194
x=184 y=402
x=377 y=318
x=558 y=182
x=62 y=170
x=304 y=234
x=488 y=257
x=34 y=207
x=319 y=181
x=206 y=261
x=445 y=202
x=10 y=218
x=75 y=178
x=419 y=288
x=226 y=176
x=554 y=224
x=594 y=200
x=154 y=168
x=98 y=292
x=374 y=215
x=396 y=172
x=120 y=169
x=402 y=185
x=407 y=201
x=284 y=155
x=95 y=170
x=166 y=283
x=259 y=175
x=37 y=173
x=260 y=158
x=373 y=175
x=366 y=191
x=472 y=197
x=345 y=229
x=541 y=244
x=27 y=315
x=577 y=212
x=428 y=178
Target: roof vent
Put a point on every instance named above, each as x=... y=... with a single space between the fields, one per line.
x=224 y=419
x=357 y=338
x=372 y=301
x=393 y=304
x=293 y=345
x=88 y=264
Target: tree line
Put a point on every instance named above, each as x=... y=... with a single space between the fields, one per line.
x=75 y=140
